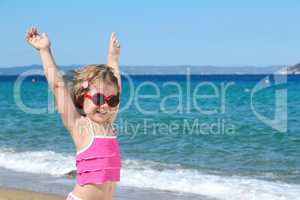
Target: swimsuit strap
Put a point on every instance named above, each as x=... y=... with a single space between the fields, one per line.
x=91 y=126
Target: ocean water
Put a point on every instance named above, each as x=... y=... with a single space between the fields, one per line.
x=221 y=136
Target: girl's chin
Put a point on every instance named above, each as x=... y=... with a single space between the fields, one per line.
x=100 y=117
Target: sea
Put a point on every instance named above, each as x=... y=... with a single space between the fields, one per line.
x=227 y=137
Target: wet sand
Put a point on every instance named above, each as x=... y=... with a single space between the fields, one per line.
x=16 y=194
x=121 y=194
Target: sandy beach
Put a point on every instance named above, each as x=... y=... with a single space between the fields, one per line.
x=122 y=193
x=16 y=194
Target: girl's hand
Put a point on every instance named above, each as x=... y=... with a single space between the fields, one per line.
x=114 y=45
x=36 y=40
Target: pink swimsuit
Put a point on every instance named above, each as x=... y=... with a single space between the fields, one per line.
x=100 y=161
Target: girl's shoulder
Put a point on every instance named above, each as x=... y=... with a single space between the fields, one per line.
x=82 y=134
x=81 y=126
x=82 y=122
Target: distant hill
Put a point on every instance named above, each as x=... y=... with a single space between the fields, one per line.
x=291 y=70
x=162 y=70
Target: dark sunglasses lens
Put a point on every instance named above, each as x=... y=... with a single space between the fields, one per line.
x=113 y=101
x=98 y=99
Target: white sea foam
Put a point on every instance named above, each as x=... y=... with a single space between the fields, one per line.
x=144 y=174
x=37 y=162
x=148 y=174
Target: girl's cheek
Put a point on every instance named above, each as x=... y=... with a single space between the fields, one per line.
x=111 y=110
x=87 y=107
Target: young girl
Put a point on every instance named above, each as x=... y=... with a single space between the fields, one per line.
x=88 y=114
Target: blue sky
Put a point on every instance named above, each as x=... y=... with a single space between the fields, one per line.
x=223 y=33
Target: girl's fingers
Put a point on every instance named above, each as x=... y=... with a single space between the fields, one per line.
x=31 y=34
x=28 y=34
x=35 y=32
x=31 y=30
x=113 y=36
x=117 y=43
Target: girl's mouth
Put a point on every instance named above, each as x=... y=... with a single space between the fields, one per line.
x=102 y=113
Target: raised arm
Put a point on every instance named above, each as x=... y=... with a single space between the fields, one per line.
x=113 y=61
x=113 y=56
x=65 y=105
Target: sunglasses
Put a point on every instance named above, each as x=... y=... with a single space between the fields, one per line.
x=99 y=99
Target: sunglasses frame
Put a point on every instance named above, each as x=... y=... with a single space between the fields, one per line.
x=106 y=98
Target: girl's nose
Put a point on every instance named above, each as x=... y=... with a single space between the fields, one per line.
x=104 y=105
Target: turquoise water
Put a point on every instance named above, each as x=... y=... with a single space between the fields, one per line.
x=237 y=145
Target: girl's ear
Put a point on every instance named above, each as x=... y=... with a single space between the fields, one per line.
x=85 y=84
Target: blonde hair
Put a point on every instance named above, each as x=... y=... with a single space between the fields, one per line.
x=91 y=73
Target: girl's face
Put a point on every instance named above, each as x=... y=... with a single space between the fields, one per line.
x=102 y=113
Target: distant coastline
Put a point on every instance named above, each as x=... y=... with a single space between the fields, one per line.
x=173 y=70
